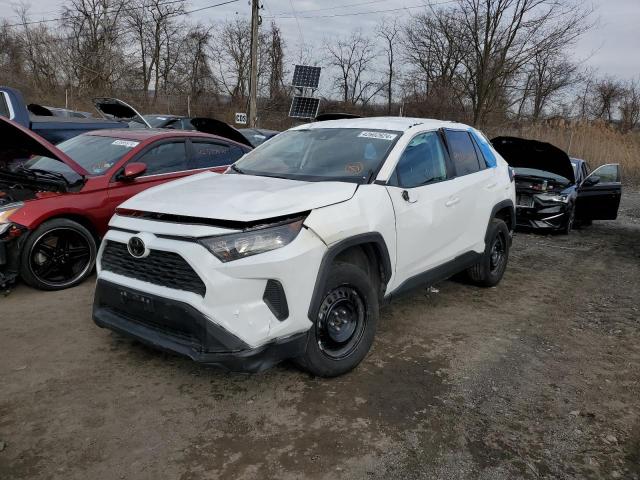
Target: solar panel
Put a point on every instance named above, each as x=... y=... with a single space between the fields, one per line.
x=304 y=107
x=305 y=76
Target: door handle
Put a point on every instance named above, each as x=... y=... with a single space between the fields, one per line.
x=407 y=198
x=451 y=202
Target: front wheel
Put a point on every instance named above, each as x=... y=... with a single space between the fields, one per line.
x=344 y=325
x=491 y=267
x=570 y=222
x=59 y=254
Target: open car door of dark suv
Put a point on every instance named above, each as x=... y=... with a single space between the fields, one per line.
x=599 y=194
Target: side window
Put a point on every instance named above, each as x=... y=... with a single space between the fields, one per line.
x=463 y=152
x=209 y=154
x=422 y=162
x=609 y=173
x=4 y=108
x=165 y=158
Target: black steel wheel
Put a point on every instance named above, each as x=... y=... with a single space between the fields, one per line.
x=341 y=322
x=488 y=271
x=345 y=323
x=58 y=255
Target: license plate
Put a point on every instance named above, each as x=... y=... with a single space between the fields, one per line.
x=137 y=300
x=524 y=201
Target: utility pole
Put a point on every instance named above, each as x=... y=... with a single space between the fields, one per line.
x=253 y=79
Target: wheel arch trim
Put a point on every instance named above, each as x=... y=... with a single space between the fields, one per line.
x=334 y=250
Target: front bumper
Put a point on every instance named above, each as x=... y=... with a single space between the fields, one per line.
x=177 y=327
x=545 y=218
x=11 y=242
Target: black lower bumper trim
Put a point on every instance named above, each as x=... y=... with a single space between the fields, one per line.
x=179 y=328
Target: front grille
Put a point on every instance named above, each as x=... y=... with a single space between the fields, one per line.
x=166 y=269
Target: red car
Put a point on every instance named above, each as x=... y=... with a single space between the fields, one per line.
x=56 y=202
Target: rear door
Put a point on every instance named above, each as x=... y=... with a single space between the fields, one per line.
x=214 y=155
x=474 y=188
x=599 y=194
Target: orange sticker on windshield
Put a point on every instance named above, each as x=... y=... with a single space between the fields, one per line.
x=354 y=168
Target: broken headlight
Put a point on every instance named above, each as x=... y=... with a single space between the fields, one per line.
x=5 y=212
x=553 y=197
x=252 y=242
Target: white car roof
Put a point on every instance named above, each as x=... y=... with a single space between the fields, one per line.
x=383 y=123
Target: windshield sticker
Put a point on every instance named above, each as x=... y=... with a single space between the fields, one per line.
x=378 y=135
x=354 y=168
x=125 y=143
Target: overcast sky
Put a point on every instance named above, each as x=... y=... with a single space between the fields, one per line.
x=612 y=46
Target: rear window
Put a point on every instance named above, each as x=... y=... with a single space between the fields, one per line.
x=463 y=152
x=96 y=154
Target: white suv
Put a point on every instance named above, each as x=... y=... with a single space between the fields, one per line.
x=292 y=251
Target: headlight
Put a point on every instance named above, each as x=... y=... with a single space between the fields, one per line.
x=553 y=197
x=5 y=212
x=252 y=242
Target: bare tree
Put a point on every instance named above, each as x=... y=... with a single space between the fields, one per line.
x=352 y=58
x=606 y=94
x=630 y=106
x=273 y=61
x=96 y=41
x=389 y=32
x=148 y=21
x=231 y=52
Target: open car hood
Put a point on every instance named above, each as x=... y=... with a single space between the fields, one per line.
x=238 y=198
x=115 y=109
x=219 y=128
x=19 y=144
x=524 y=153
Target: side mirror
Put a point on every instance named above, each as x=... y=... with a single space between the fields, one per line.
x=133 y=170
x=591 y=181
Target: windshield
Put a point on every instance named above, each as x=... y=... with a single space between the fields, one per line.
x=533 y=172
x=96 y=154
x=157 y=120
x=341 y=154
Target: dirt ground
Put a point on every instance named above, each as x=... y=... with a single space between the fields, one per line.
x=537 y=378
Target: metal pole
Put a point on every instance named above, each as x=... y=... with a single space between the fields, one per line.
x=253 y=80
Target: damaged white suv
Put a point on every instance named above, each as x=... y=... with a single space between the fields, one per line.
x=291 y=253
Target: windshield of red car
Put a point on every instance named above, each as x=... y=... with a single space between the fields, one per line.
x=95 y=153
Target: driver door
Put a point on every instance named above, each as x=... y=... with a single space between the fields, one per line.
x=599 y=194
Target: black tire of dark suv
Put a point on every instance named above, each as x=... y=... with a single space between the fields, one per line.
x=491 y=267
x=345 y=323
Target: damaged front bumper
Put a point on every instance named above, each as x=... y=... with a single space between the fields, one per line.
x=12 y=238
x=546 y=218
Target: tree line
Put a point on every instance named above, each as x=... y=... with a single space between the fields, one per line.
x=480 y=61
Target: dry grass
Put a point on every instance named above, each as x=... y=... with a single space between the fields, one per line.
x=596 y=143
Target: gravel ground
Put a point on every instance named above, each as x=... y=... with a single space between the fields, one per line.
x=537 y=378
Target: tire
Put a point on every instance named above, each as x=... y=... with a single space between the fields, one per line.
x=334 y=348
x=568 y=226
x=489 y=270
x=58 y=254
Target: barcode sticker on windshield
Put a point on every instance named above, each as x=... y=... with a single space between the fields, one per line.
x=125 y=143
x=378 y=135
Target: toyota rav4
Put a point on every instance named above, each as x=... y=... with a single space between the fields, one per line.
x=292 y=251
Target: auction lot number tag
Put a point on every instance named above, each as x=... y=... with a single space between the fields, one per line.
x=241 y=118
x=378 y=135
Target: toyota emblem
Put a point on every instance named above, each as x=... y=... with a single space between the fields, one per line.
x=136 y=247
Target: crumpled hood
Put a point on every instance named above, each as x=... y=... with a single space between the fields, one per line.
x=241 y=198
x=524 y=153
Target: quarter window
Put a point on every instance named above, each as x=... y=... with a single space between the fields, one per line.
x=463 y=152
x=422 y=162
x=165 y=158
x=208 y=154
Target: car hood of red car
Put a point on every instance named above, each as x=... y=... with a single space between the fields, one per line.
x=242 y=198
x=19 y=144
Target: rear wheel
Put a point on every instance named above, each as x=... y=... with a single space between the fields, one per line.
x=344 y=325
x=57 y=255
x=491 y=267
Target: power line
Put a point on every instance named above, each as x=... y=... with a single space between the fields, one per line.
x=424 y=5
x=129 y=9
x=298 y=22
x=331 y=8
